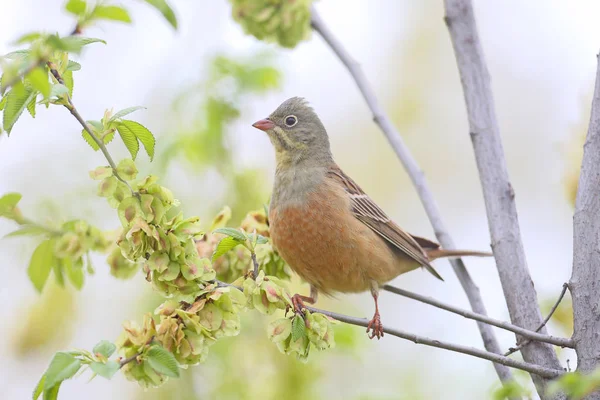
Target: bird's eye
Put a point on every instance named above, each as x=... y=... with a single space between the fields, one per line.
x=291 y=120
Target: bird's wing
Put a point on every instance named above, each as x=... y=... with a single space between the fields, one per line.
x=369 y=213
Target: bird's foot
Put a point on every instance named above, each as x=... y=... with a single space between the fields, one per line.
x=376 y=327
x=298 y=304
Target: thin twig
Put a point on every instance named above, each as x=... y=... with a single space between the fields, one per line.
x=71 y=107
x=498 y=194
x=472 y=351
x=524 y=343
x=129 y=359
x=253 y=256
x=418 y=179
x=558 y=341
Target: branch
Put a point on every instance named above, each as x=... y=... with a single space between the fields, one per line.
x=472 y=351
x=418 y=179
x=562 y=342
x=519 y=346
x=585 y=279
x=499 y=196
x=71 y=107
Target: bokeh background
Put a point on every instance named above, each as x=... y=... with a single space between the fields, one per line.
x=541 y=56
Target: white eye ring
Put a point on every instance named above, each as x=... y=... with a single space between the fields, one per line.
x=287 y=122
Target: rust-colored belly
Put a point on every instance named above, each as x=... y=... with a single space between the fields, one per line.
x=328 y=247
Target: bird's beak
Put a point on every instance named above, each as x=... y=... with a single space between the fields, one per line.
x=264 y=124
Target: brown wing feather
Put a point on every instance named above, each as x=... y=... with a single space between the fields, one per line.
x=369 y=213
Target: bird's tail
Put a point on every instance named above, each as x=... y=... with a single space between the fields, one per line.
x=442 y=253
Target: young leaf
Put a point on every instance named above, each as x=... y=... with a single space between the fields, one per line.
x=129 y=139
x=74 y=272
x=73 y=66
x=52 y=394
x=89 y=140
x=76 y=7
x=38 y=388
x=106 y=370
x=298 y=328
x=16 y=101
x=224 y=245
x=124 y=112
x=143 y=135
x=63 y=366
x=17 y=55
x=105 y=348
x=28 y=230
x=71 y=44
x=41 y=263
x=8 y=202
x=162 y=361
x=31 y=107
x=2 y=102
x=68 y=78
x=28 y=38
x=39 y=80
x=114 y=13
x=234 y=233
x=165 y=10
x=58 y=90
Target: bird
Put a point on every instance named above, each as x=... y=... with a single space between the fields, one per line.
x=325 y=227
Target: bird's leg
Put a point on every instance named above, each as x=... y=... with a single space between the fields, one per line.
x=375 y=322
x=298 y=300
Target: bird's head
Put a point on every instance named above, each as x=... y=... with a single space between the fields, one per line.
x=296 y=133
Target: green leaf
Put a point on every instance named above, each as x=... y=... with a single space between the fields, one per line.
x=38 y=388
x=106 y=370
x=73 y=66
x=28 y=38
x=298 y=328
x=39 y=80
x=105 y=348
x=31 y=106
x=129 y=139
x=260 y=239
x=74 y=272
x=76 y=7
x=113 y=13
x=58 y=90
x=58 y=274
x=68 y=78
x=226 y=244
x=124 y=112
x=52 y=394
x=28 y=230
x=2 y=103
x=8 y=202
x=17 y=55
x=16 y=101
x=41 y=263
x=165 y=10
x=89 y=140
x=143 y=135
x=71 y=44
x=234 y=233
x=63 y=366
x=162 y=361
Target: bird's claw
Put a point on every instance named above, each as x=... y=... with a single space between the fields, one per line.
x=376 y=327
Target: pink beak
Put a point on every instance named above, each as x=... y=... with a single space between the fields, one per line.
x=264 y=124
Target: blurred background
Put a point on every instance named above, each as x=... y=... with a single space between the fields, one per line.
x=206 y=83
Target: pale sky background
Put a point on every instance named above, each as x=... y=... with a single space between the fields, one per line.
x=541 y=56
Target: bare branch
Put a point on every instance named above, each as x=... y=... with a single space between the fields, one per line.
x=418 y=179
x=520 y=294
x=524 y=343
x=558 y=341
x=585 y=279
x=472 y=351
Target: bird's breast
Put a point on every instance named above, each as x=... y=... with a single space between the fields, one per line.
x=326 y=245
